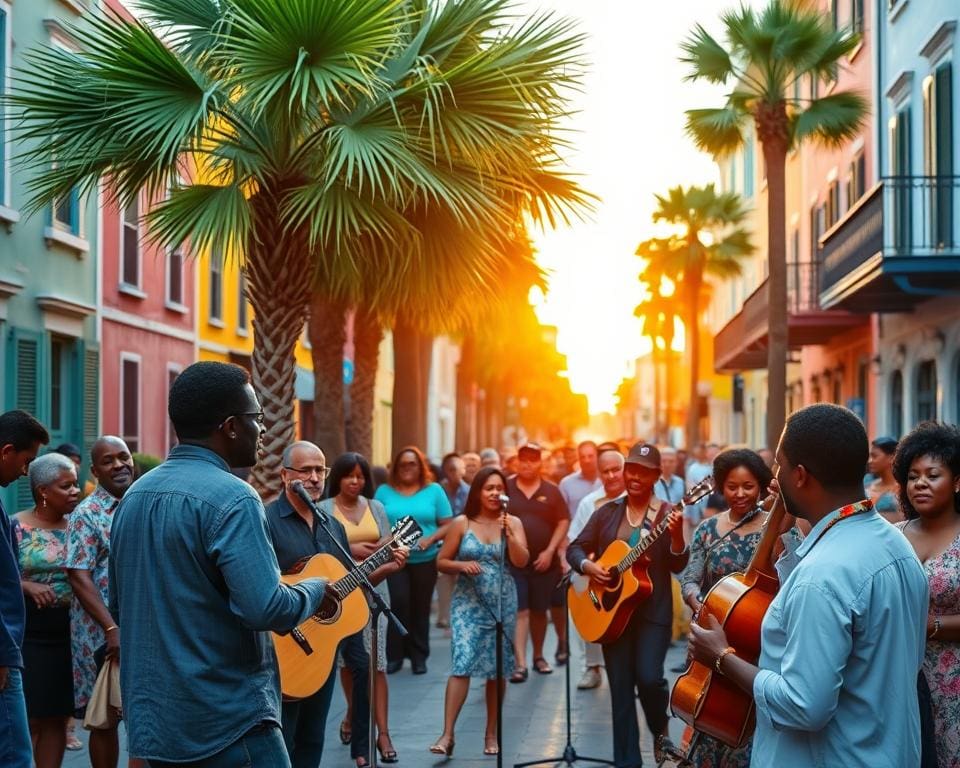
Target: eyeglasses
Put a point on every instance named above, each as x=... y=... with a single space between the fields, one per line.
x=321 y=472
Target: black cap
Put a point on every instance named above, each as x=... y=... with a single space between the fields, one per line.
x=67 y=449
x=533 y=448
x=644 y=454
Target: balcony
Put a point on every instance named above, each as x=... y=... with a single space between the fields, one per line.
x=898 y=246
x=742 y=342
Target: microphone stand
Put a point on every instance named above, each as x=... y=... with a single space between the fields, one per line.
x=379 y=607
x=569 y=756
x=500 y=634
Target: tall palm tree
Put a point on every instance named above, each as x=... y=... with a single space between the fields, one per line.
x=657 y=313
x=711 y=242
x=767 y=56
x=313 y=127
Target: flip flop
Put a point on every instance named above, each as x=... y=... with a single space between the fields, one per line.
x=541 y=666
x=519 y=675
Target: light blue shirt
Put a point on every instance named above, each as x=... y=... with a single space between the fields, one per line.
x=842 y=644
x=429 y=506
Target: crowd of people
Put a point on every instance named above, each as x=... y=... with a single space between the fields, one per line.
x=176 y=578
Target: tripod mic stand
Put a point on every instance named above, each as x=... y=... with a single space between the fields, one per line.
x=569 y=756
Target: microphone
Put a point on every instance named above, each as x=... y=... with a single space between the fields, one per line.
x=504 y=499
x=297 y=487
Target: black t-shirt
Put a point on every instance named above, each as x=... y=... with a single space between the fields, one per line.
x=540 y=514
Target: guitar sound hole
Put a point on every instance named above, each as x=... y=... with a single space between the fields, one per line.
x=328 y=612
x=611 y=595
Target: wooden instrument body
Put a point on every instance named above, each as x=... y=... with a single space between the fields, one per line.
x=707 y=700
x=303 y=674
x=601 y=612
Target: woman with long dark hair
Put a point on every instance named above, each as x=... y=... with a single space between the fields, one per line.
x=411 y=490
x=471 y=552
x=350 y=500
x=927 y=467
x=41 y=534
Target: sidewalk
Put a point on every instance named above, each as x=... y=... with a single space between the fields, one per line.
x=533 y=717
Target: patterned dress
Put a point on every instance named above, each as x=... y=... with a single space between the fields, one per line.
x=709 y=562
x=88 y=548
x=941 y=664
x=473 y=612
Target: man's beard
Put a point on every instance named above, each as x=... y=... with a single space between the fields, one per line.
x=790 y=505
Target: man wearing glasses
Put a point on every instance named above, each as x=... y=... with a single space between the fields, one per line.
x=195 y=586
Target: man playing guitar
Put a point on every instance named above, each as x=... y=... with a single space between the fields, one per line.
x=634 y=661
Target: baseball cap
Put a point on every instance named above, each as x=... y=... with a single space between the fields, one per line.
x=530 y=448
x=644 y=454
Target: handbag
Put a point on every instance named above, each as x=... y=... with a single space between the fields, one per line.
x=104 y=707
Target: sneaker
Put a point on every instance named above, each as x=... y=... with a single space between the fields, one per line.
x=590 y=679
x=664 y=750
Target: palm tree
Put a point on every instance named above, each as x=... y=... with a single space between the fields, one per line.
x=657 y=313
x=313 y=127
x=767 y=56
x=712 y=242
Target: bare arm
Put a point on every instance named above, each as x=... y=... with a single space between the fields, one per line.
x=446 y=559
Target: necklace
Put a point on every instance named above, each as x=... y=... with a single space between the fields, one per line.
x=349 y=512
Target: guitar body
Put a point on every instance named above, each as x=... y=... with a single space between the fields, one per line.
x=701 y=697
x=303 y=673
x=601 y=612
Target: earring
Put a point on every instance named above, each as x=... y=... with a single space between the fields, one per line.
x=233 y=435
x=44 y=501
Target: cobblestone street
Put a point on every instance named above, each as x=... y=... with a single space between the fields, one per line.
x=533 y=716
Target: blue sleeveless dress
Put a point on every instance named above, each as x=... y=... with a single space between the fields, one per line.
x=473 y=612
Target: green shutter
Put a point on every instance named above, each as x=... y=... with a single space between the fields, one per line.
x=26 y=375
x=91 y=397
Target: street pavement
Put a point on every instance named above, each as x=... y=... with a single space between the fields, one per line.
x=534 y=717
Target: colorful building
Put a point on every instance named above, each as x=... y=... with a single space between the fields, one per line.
x=48 y=270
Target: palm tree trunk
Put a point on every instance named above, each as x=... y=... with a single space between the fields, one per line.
x=367 y=335
x=692 y=324
x=655 y=357
x=775 y=154
x=327 y=337
x=409 y=407
x=466 y=438
x=278 y=271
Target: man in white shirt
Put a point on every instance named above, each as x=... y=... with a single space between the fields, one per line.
x=610 y=466
x=586 y=480
x=670 y=485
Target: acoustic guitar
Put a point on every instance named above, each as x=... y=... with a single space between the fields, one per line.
x=705 y=699
x=601 y=611
x=306 y=654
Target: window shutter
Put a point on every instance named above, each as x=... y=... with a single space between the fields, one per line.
x=91 y=397
x=26 y=374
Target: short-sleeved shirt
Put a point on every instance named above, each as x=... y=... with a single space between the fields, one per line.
x=42 y=553
x=574 y=487
x=540 y=514
x=428 y=507
x=293 y=540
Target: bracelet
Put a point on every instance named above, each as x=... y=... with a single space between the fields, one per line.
x=110 y=628
x=936 y=627
x=720 y=656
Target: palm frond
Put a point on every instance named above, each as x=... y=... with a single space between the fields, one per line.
x=717 y=131
x=188 y=25
x=208 y=216
x=832 y=119
x=707 y=59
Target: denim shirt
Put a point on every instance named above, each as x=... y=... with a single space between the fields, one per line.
x=842 y=643
x=11 y=596
x=195 y=586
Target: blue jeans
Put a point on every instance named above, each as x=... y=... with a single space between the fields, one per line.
x=16 y=749
x=261 y=747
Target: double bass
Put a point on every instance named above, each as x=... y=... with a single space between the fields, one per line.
x=705 y=699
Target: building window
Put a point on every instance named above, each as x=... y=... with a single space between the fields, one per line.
x=216 y=286
x=175 y=276
x=814 y=86
x=835 y=13
x=814 y=234
x=856 y=180
x=832 y=215
x=837 y=389
x=130 y=243
x=172 y=372
x=901 y=169
x=896 y=404
x=748 y=154
x=66 y=212
x=242 y=306
x=938 y=153
x=815 y=393
x=130 y=401
x=856 y=15
x=927 y=391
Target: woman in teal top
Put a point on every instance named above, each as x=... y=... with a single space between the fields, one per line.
x=411 y=490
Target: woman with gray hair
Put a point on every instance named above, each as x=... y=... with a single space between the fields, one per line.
x=41 y=535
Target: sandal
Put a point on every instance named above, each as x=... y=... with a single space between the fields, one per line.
x=387 y=754
x=490 y=745
x=561 y=657
x=363 y=764
x=442 y=748
x=346 y=734
x=540 y=664
x=73 y=743
x=519 y=675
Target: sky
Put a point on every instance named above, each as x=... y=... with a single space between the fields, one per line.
x=630 y=145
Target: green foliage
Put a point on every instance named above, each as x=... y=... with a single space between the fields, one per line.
x=144 y=462
x=765 y=53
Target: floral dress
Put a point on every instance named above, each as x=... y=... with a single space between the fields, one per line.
x=473 y=612
x=711 y=560
x=941 y=663
x=88 y=548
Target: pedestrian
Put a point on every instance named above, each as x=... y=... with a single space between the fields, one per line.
x=94 y=633
x=585 y=480
x=411 y=490
x=21 y=436
x=41 y=534
x=350 y=500
x=541 y=509
x=927 y=468
x=698 y=468
x=452 y=470
x=471 y=465
x=883 y=490
x=471 y=550
x=196 y=587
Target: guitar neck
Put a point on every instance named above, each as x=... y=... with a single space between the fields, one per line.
x=648 y=541
x=346 y=584
x=761 y=560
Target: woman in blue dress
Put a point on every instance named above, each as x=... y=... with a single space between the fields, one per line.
x=471 y=552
